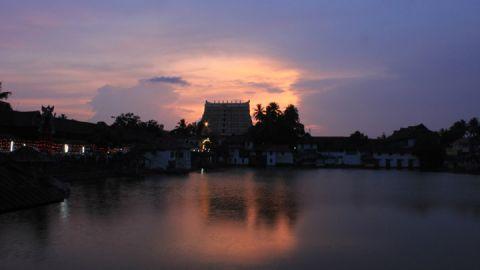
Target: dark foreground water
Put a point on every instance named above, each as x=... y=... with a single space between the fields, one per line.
x=244 y=218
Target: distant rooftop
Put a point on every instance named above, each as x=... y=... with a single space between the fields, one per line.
x=235 y=101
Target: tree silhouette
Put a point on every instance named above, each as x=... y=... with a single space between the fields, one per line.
x=4 y=94
x=272 y=112
x=456 y=131
x=275 y=126
x=126 y=120
x=473 y=129
x=291 y=114
x=184 y=129
x=182 y=124
x=359 y=138
x=152 y=125
x=259 y=113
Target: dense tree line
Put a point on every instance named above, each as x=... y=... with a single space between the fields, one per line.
x=132 y=121
x=184 y=129
x=128 y=128
x=274 y=126
x=461 y=129
x=469 y=132
x=359 y=138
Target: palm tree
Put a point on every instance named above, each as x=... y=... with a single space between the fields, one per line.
x=272 y=112
x=291 y=114
x=4 y=95
x=259 y=113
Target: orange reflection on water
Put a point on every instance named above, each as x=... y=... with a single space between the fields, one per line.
x=234 y=221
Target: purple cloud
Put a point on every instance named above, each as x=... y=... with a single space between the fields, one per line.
x=265 y=86
x=168 y=79
x=149 y=101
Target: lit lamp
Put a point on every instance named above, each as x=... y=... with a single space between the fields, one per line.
x=11 y=146
x=83 y=149
x=65 y=148
x=206 y=123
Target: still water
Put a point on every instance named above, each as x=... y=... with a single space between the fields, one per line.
x=246 y=218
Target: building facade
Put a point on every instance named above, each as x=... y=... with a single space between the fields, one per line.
x=170 y=154
x=344 y=151
x=227 y=118
x=278 y=155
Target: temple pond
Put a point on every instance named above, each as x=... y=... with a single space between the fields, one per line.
x=249 y=218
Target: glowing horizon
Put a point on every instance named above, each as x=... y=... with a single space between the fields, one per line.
x=343 y=70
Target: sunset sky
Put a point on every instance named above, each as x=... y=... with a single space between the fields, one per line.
x=351 y=65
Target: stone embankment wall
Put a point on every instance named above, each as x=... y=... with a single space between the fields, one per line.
x=21 y=188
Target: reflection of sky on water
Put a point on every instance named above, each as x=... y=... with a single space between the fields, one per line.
x=233 y=220
x=253 y=218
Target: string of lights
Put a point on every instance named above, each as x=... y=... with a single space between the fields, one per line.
x=45 y=145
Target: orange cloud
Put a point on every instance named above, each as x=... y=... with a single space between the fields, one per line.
x=207 y=77
x=233 y=78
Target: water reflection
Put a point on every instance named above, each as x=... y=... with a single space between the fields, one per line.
x=253 y=219
x=23 y=230
x=235 y=219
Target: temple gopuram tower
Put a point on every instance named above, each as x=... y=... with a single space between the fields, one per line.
x=227 y=118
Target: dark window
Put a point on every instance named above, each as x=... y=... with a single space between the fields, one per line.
x=387 y=163
x=410 y=163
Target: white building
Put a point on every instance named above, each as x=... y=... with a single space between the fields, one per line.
x=278 y=155
x=170 y=155
x=396 y=160
x=237 y=156
x=339 y=158
x=239 y=148
x=168 y=160
x=343 y=151
x=328 y=151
